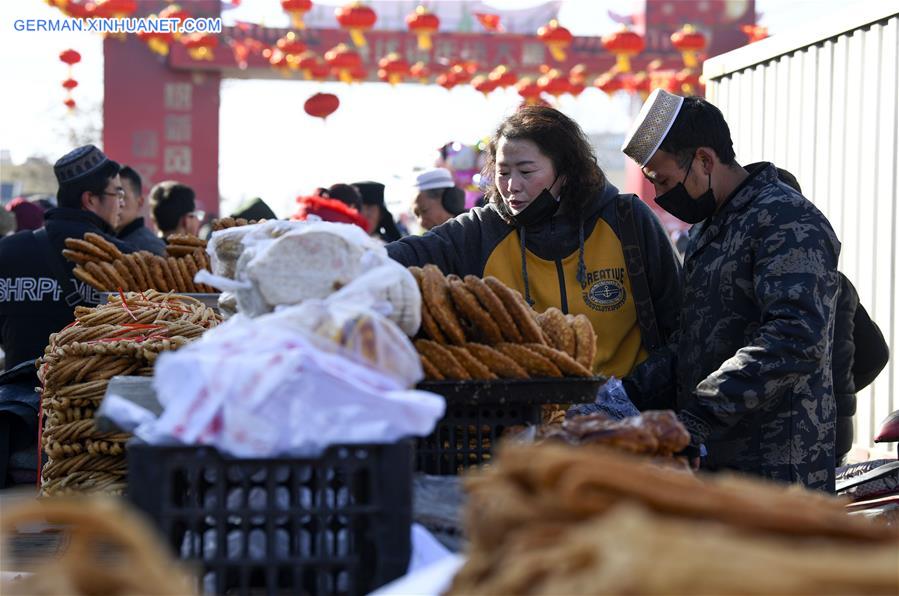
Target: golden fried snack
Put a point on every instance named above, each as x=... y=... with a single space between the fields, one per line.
x=556 y=328
x=585 y=341
x=467 y=304
x=490 y=301
x=475 y=368
x=429 y=325
x=179 y=250
x=78 y=257
x=518 y=309
x=112 y=275
x=534 y=363
x=100 y=275
x=87 y=278
x=565 y=363
x=187 y=240
x=180 y=283
x=435 y=292
x=168 y=276
x=86 y=247
x=132 y=261
x=103 y=244
x=189 y=285
x=497 y=362
x=122 y=270
x=431 y=372
x=143 y=260
x=191 y=268
x=442 y=359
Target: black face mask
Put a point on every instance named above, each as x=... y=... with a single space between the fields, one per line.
x=540 y=209
x=681 y=205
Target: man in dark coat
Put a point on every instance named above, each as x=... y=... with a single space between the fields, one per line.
x=132 y=228
x=750 y=375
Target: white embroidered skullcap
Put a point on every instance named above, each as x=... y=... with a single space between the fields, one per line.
x=434 y=178
x=652 y=124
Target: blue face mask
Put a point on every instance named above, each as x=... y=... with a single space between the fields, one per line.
x=681 y=205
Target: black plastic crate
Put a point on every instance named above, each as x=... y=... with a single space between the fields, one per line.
x=336 y=524
x=478 y=412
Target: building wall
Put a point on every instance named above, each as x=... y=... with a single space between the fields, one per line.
x=824 y=104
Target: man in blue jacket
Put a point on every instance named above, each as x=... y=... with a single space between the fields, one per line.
x=750 y=375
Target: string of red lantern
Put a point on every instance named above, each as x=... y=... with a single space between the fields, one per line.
x=424 y=24
x=69 y=58
x=321 y=105
x=356 y=18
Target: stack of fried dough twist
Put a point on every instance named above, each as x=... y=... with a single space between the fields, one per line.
x=99 y=263
x=555 y=519
x=231 y=222
x=107 y=549
x=117 y=338
x=477 y=328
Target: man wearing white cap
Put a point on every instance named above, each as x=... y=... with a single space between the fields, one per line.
x=438 y=199
x=750 y=375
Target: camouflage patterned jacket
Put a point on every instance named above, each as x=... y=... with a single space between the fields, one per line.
x=753 y=361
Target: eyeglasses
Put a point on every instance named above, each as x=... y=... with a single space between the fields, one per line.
x=199 y=214
x=120 y=194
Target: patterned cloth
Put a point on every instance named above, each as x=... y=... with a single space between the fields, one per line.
x=752 y=367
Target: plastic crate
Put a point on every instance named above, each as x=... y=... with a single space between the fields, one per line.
x=479 y=412
x=336 y=524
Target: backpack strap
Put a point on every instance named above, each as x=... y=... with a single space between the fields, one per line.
x=634 y=261
x=71 y=294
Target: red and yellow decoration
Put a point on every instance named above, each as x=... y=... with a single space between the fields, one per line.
x=321 y=105
x=393 y=68
x=529 y=90
x=503 y=76
x=483 y=84
x=420 y=71
x=113 y=9
x=306 y=62
x=554 y=83
x=424 y=24
x=755 y=32
x=157 y=41
x=200 y=46
x=624 y=43
x=356 y=18
x=690 y=43
x=557 y=39
x=689 y=81
x=297 y=9
x=343 y=60
x=611 y=82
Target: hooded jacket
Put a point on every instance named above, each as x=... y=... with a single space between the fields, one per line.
x=543 y=262
x=32 y=305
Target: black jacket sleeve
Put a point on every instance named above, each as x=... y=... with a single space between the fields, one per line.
x=871 y=351
x=457 y=246
x=652 y=385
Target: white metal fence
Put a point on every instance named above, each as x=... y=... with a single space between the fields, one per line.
x=823 y=103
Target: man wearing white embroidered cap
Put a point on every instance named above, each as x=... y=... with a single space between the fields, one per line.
x=750 y=375
x=438 y=199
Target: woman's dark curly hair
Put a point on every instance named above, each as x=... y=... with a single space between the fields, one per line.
x=560 y=139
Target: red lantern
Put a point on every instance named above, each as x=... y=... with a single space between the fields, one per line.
x=321 y=105
x=447 y=80
x=296 y=9
x=483 y=84
x=70 y=57
x=424 y=24
x=754 y=32
x=556 y=38
x=420 y=71
x=343 y=60
x=357 y=18
x=611 y=82
x=688 y=80
x=640 y=83
x=624 y=43
x=395 y=67
x=76 y=10
x=114 y=9
x=69 y=103
x=503 y=76
x=306 y=62
x=69 y=84
x=529 y=90
x=578 y=74
x=554 y=83
x=200 y=46
x=291 y=45
x=277 y=59
x=320 y=71
x=689 y=42
x=157 y=41
x=358 y=74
